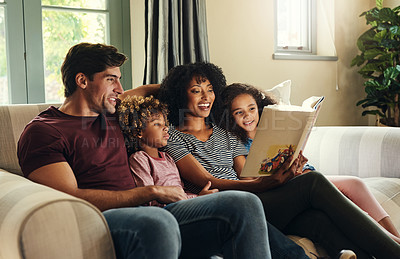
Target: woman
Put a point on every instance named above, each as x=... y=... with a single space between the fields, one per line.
x=307 y=205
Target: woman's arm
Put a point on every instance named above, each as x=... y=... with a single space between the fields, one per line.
x=278 y=178
x=192 y=171
x=144 y=90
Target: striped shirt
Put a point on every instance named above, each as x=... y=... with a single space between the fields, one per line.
x=215 y=155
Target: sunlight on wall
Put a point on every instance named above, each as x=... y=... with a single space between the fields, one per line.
x=326 y=28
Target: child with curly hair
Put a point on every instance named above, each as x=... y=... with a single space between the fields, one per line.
x=143 y=121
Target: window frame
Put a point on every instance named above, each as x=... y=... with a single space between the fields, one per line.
x=24 y=46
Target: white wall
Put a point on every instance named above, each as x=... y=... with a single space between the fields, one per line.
x=240 y=37
x=241 y=42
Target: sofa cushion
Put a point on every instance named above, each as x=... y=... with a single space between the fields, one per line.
x=387 y=192
x=13 y=120
x=358 y=151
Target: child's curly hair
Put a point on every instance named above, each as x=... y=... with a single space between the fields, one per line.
x=134 y=112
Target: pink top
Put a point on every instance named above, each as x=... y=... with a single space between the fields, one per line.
x=162 y=171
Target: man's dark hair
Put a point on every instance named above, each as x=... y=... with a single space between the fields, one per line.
x=174 y=86
x=88 y=59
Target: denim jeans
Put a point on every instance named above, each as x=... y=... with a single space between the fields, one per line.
x=144 y=232
x=229 y=223
x=283 y=247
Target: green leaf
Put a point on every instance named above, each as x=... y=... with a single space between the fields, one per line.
x=373 y=112
x=364 y=13
x=373 y=14
x=371 y=67
x=379 y=4
x=390 y=44
x=361 y=102
x=392 y=73
x=372 y=83
x=370 y=89
x=368 y=35
x=380 y=35
x=372 y=53
x=357 y=61
x=383 y=26
x=387 y=14
x=367 y=38
x=395 y=30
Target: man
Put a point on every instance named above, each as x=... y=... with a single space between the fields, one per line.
x=79 y=149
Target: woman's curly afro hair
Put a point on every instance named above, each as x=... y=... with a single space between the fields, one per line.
x=174 y=86
x=229 y=93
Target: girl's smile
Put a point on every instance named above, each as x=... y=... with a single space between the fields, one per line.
x=245 y=112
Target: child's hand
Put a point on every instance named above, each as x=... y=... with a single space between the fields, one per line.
x=280 y=177
x=302 y=161
x=206 y=189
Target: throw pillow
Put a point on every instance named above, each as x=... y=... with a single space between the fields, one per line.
x=282 y=92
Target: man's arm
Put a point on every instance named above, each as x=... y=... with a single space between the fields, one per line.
x=144 y=90
x=61 y=177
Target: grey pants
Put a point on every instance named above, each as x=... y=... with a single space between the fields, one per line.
x=311 y=206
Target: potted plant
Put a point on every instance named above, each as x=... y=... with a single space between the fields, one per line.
x=380 y=63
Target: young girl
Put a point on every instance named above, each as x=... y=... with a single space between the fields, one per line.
x=307 y=205
x=143 y=121
x=245 y=104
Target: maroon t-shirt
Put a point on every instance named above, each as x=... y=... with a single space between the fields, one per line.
x=93 y=147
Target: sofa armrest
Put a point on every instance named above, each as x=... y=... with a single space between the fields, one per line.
x=39 y=222
x=359 y=151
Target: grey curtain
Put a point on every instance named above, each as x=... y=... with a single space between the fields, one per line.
x=176 y=34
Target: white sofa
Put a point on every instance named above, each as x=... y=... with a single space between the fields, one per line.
x=40 y=222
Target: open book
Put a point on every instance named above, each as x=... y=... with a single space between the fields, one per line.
x=282 y=131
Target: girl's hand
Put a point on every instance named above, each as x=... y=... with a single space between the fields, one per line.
x=206 y=190
x=302 y=161
x=282 y=176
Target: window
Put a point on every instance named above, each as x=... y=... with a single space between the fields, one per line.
x=295 y=27
x=3 y=57
x=296 y=31
x=40 y=32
